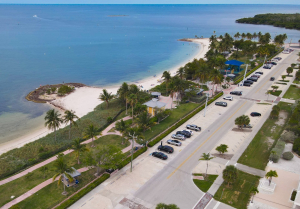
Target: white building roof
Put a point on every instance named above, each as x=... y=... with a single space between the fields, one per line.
x=154 y=103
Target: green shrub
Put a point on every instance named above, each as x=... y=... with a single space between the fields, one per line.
x=287 y=155
x=296 y=146
x=64 y=89
x=109 y=119
x=179 y=123
x=83 y=192
x=279 y=147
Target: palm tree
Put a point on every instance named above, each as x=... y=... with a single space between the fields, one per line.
x=254 y=35
x=132 y=99
x=230 y=174
x=242 y=120
x=106 y=97
x=172 y=92
x=70 y=117
x=253 y=191
x=249 y=36
x=62 y=170
x=53 y=120
x=237 y=35
x=243 y=35
x=123 y=93
x=78 y=148
x=121 y=126
x=167 y=77
x=270 y=175
x=206 y=157
x=144 y=121
x=91 y=132
x=216 y=78
x=180 y=72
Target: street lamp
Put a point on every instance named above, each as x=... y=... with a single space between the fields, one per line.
x=207 y=95
x=133 y=139
x=245 y=73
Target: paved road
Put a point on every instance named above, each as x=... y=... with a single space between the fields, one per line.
x=173 y=184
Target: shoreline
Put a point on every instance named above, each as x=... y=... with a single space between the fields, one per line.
x=84 y=99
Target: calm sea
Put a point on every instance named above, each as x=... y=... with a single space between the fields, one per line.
x=102 y=45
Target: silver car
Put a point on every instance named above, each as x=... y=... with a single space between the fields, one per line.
x=228 y=98
x=193 y=127
x=174 y=142
x=178 y=136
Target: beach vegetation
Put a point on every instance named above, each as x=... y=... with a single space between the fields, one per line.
x=53 y=120
x=106 y=97
x=63 y=90
x=78 y=148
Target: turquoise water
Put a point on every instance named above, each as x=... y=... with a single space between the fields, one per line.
x=47 y=44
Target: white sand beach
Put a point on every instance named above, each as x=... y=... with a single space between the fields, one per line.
x=83 y=100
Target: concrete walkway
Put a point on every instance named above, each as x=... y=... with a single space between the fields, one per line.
x=23 y=173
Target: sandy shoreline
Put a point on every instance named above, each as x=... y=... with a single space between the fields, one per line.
x=83 y=100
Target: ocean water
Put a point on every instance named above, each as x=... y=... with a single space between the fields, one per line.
x=100 y=45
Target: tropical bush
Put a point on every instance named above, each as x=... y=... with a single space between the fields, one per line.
x=287 y=155
x=64 y=89
x=296 y=146
x=278 y=149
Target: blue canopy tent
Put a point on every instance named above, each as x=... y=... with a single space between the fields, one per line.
x=233 y=63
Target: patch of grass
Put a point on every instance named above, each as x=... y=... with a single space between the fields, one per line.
x=237 y=195
x=262 y=103
x=176 y=114
x=51 y=195
x=292 y=93
x=296 y=81
x=258 y=151
x=281 y=83
x=204 y=87
x=275 y=93
x=25 y=183
x=204 y=185
x=284 y=81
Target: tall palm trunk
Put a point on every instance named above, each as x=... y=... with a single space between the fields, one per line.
x=126 y=106
x=206 y=169
x=270 y=180
x=70 y=130
x=78 y=161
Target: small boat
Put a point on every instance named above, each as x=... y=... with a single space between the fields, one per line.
x=34 y=15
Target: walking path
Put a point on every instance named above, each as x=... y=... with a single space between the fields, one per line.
x=23 y=173
x=49 y=181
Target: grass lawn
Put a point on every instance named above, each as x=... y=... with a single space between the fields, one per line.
x=51 y=195
x=296 y=81
x=281 y=83
x=276 y=93
x=204 y=185
x=25 y=183
x=237 y=195
x=292 y=93
x=264 y=103
x=176 y=114
x=284 y=81
x=258 y=151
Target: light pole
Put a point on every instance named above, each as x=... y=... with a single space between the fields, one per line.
x=207 y=94
x=245 y=73
x=133 y=138
x=264 y=62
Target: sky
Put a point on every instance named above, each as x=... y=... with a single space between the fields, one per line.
x=150 y=2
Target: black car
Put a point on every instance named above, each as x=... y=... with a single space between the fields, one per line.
x=248 y=81
x=239 y=93
x=273 y=63
x=184 y=133
x=246 y=84
x=254 y=114
x=252 y=79
x=160 y=155
x=110 y=170
x=223 y=104
x=165 y=148
x=272 y=78
x=261 y=73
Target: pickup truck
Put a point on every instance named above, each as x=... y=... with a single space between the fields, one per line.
x=193 y=127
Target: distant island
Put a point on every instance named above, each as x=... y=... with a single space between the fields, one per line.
x=288 y=21
x=117 y=15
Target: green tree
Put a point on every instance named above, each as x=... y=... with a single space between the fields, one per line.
x=106 y=97
x=172 y=90
x=78 y=148
x=63 y=171
x=222 y=148
x=253 y=191
x=274 y=87
x=123 y=93
x=243 y=35
x=121 y=126
x=53 y=120
x=144 y=121
x=165 y=206
x=44 y=170
x=237 y=35
x=180 y=72
x=91 y=132
x=283 y=77
x=70 y=118
x=230 y=174
x=167 y=77
x=207 y=158
x=270 y=175
x=289 y=70
x=132 y=99
x=242 y=120
x=104 y=157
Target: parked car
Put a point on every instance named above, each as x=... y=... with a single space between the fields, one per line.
x=160 y=155
x=178 y=136
x=228 y=98
x=273 y=63
x=174 y=142
x=193 y=127
x=239 y=93
x=278 y=58
x=165 y=148
x=184 y=133
x=247 y=126
x=188 y=131
x=253 y=79
x=255 y=75
x=224 y=104
x=248 y=81
x=261 y=73
x=110 y=170
x=268 y=66
x=254 y=114
x=272 y=78
x=246 y=84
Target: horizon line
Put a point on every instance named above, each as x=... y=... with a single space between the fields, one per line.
x=139 y=4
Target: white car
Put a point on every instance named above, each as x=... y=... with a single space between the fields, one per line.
x=228 y=98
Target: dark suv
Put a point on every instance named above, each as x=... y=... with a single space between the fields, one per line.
x=224 y=104
x=160 y=155
x=239 y=93
x=272 y=78
x=253 y=114
x=165 y=148
x=184 y=133
x=248 y=81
